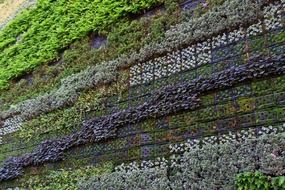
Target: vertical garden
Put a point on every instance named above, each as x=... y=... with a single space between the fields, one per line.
x=152 y=94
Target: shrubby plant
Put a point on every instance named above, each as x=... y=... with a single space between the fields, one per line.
x=152 y=178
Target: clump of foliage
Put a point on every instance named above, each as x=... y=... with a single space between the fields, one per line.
x=259 y=181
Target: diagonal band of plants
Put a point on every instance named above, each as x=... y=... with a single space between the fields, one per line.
x=165 y=101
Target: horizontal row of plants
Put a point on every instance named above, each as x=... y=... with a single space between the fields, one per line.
x=68 y=91
x=44 y=121
x=153 y=134
x=171 y=99
x=209 y=51
x=62 y=122
x=64 y=177
x=232 y=14
x=226 y=136
x=65 y=121
x=208 y=167
x=47 y=181
x=68 y=179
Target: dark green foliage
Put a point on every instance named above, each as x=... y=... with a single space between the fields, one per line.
x=171 y=6
x=126 y=36
x=157 y=29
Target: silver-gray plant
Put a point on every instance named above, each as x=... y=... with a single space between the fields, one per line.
x=210 y=167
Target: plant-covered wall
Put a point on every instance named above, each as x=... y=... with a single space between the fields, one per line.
x=197 y=104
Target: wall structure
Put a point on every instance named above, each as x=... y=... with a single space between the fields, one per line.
x=249 y=107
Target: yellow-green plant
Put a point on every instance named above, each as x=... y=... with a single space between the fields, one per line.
x=39 y=34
